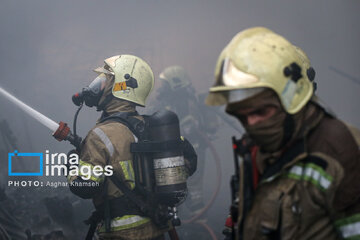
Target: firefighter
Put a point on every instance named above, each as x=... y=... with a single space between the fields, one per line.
x=123 y=83
x=304 y=162
x=194 y=121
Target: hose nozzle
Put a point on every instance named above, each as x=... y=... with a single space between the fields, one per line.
x=64 y=133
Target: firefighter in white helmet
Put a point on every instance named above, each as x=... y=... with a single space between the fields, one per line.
x=123 y=83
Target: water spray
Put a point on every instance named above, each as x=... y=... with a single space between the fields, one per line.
x=60 y=130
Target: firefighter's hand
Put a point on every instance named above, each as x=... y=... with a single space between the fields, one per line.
x=71 y=155
x=73 y=151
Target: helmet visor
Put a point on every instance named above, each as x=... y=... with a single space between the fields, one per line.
x=233 y=77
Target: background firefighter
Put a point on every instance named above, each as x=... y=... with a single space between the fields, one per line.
x=124 y=83
x=177 y=94
x=304 y=181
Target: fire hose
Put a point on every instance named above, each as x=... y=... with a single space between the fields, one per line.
x=60 y=130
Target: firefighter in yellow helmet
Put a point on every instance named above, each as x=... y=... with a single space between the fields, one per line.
x=298 y=177
x=122 y=211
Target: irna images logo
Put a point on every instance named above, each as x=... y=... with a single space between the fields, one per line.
x=12 y=158
x=54 y=164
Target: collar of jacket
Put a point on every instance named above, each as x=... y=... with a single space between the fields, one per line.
x=117 y=105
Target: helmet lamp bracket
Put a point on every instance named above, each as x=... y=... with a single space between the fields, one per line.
x=293 y=71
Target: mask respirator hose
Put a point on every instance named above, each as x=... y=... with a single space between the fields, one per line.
x=76 y=116
x=75 y=139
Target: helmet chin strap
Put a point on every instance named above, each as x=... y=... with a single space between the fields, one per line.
x=289 y=128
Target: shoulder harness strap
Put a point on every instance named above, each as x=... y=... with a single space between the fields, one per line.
x=287 y=156
x=136 y=126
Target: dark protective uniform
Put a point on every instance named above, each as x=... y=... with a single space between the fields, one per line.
x=310 y=190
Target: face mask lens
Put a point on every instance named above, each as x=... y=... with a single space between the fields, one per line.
x=97 y=85
x=93 y=92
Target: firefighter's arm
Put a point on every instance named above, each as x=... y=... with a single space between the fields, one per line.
x=346 y=202
x=339 y=178
x=190 y=157
x=93 y=158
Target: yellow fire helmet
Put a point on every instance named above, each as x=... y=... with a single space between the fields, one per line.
x=134 y=78
x=176 y=77
x=258 y=58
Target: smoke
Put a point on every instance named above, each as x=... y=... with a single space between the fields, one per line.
x=48 y=49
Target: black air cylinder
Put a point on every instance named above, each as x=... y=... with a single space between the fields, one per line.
x=169 y=165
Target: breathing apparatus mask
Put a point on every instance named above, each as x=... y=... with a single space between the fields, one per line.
x=91 y=94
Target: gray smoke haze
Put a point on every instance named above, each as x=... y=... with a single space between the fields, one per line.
x=48 y=49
